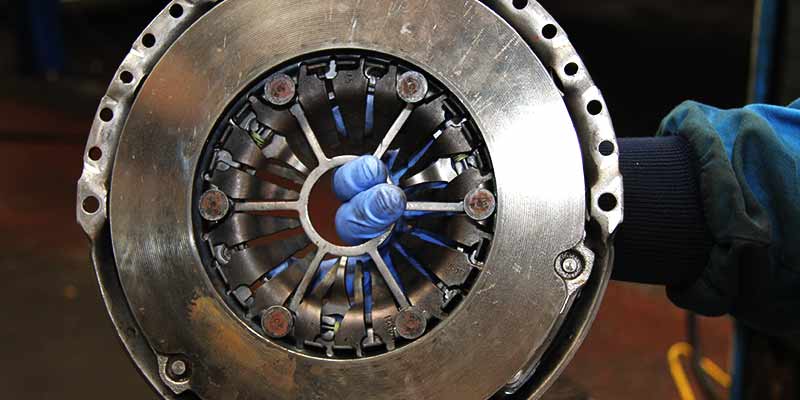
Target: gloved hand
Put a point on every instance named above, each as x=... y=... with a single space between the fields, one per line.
x=371 y=205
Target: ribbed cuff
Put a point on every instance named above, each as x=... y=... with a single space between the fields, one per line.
x=664 y=239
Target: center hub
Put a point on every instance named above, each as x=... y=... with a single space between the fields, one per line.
x=275 y=249
x=314 y=181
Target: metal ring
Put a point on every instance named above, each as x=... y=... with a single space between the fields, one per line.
x=602 y=174
x=322 y=243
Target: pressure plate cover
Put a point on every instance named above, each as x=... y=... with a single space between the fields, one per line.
x=206 y=195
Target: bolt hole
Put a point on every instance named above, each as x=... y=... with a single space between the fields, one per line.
x=106 y=115
x=126 y=77
x=571 y=69
x=149 y=40
x=549 y=31
x=91 y=205
x=607 y=202
x=606 y=148
x=176 y=11
x=520 y=4
x=594 y=107
x=95 y=154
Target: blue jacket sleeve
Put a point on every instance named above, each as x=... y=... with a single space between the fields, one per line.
x=748 y=165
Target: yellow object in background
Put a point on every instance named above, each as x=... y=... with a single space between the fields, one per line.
x=683 y=349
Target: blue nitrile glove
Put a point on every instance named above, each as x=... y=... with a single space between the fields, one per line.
x=371 y=205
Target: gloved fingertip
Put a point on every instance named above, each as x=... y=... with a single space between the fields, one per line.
x=369 y=214
x=346 y=227
x=358 y=176
x=390 y=202
x=372 y=169
x=341 y=187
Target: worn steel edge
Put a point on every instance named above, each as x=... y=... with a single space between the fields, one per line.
x=95 y=179
x=601 y=171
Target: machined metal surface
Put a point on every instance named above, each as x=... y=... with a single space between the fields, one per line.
x=519 y=319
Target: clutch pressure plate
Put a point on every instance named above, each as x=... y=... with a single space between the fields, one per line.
x=206 y=194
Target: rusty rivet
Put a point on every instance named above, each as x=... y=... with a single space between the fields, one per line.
x=480 y=204
x=412 y=87
x=277 y=322
x=214 y=205
x=410 y=324
x=280 y=89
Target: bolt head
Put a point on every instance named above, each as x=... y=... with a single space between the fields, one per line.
x=178 y=367
x=410 y=324
x=280 y=89
x=214 y=205
x=412 y=87
x=480 y=204
x=570 y=266
x=277 y=322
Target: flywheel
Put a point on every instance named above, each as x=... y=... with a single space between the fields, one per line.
x=206 y=194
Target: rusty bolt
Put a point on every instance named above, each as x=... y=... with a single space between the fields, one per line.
x=480 y=204
x=277 y=322
x=412 y=87
x=214 y=205
x=410 y=324
x=570 y=266
x=280 y=89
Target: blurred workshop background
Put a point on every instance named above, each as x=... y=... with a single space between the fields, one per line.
x=57 y=57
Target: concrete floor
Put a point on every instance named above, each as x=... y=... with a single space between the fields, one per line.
x=56 y=341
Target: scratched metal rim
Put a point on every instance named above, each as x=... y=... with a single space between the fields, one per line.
x=592 y=129
x=595 y=128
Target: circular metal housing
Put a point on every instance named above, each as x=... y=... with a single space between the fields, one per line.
x=345 y=301
x=534 y=125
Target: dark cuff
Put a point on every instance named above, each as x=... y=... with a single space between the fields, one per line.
x=664 y=239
